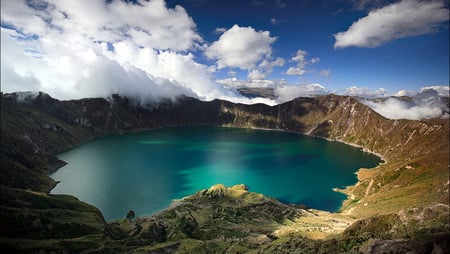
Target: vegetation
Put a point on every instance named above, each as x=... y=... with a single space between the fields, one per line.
x=130 y=215
x=400 y=206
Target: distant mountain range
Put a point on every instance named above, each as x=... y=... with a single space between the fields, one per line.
x=400 y=205
x=429 y=103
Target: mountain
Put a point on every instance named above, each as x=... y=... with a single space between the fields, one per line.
x=401 y=204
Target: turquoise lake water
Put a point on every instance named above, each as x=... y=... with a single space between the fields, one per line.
x=145 y=171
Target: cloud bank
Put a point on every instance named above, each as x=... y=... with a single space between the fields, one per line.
x=251 y=83
x=287 y=93
x=429 y=102
x=144 y=50
x=398 y=20
x=424 y=105
x=364 y=92
x=76 y=49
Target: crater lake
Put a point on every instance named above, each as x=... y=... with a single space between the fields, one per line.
x=145 y=171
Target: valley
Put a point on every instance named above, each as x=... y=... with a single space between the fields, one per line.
x=402 y=203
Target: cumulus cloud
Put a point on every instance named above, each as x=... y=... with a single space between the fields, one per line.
x=289 y=92
x=148 y=23
x=315 y=60
x=255 y=74
x=268 y=65
x=364 y=92
x=302 y=62
x=297 y=71
x=76 y=49
x=424 y=105
x=237 y=42
x=265 y=68
x=398 y=20
x=300 y=56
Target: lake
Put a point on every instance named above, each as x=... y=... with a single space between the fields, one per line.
x=145 y=171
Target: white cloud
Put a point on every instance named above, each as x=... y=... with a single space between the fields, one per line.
x=232 y=73
x=241 y=47
x=220 y=30
x=265 y=68
x=441 y=90
x=364 y=92
x=424 y=105
x=75 y=49
x=300 y=56
x=248 y=101
x=315 y=60
x=268 y=65
x=395 y=109
x=295 y=71
x=19 y=14
x=302 y=62
x=289 y=92
x=12 y=81
x=257 y=83
x=398 y=20
x=256 y=74
x=14 y=77
x=401 y=93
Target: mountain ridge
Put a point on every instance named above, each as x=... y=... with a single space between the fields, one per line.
x=36 y=127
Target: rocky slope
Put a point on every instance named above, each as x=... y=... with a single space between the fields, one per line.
x=35 y=127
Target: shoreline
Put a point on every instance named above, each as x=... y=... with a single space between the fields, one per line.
x=344 y=190
x=336 y=189
x=363 y=149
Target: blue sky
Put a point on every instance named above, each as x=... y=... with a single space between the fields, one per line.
x=405 y=63
x=206 y=49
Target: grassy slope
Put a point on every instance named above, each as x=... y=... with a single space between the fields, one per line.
x=415 y=175
x=57 y=222
x=416 y=153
